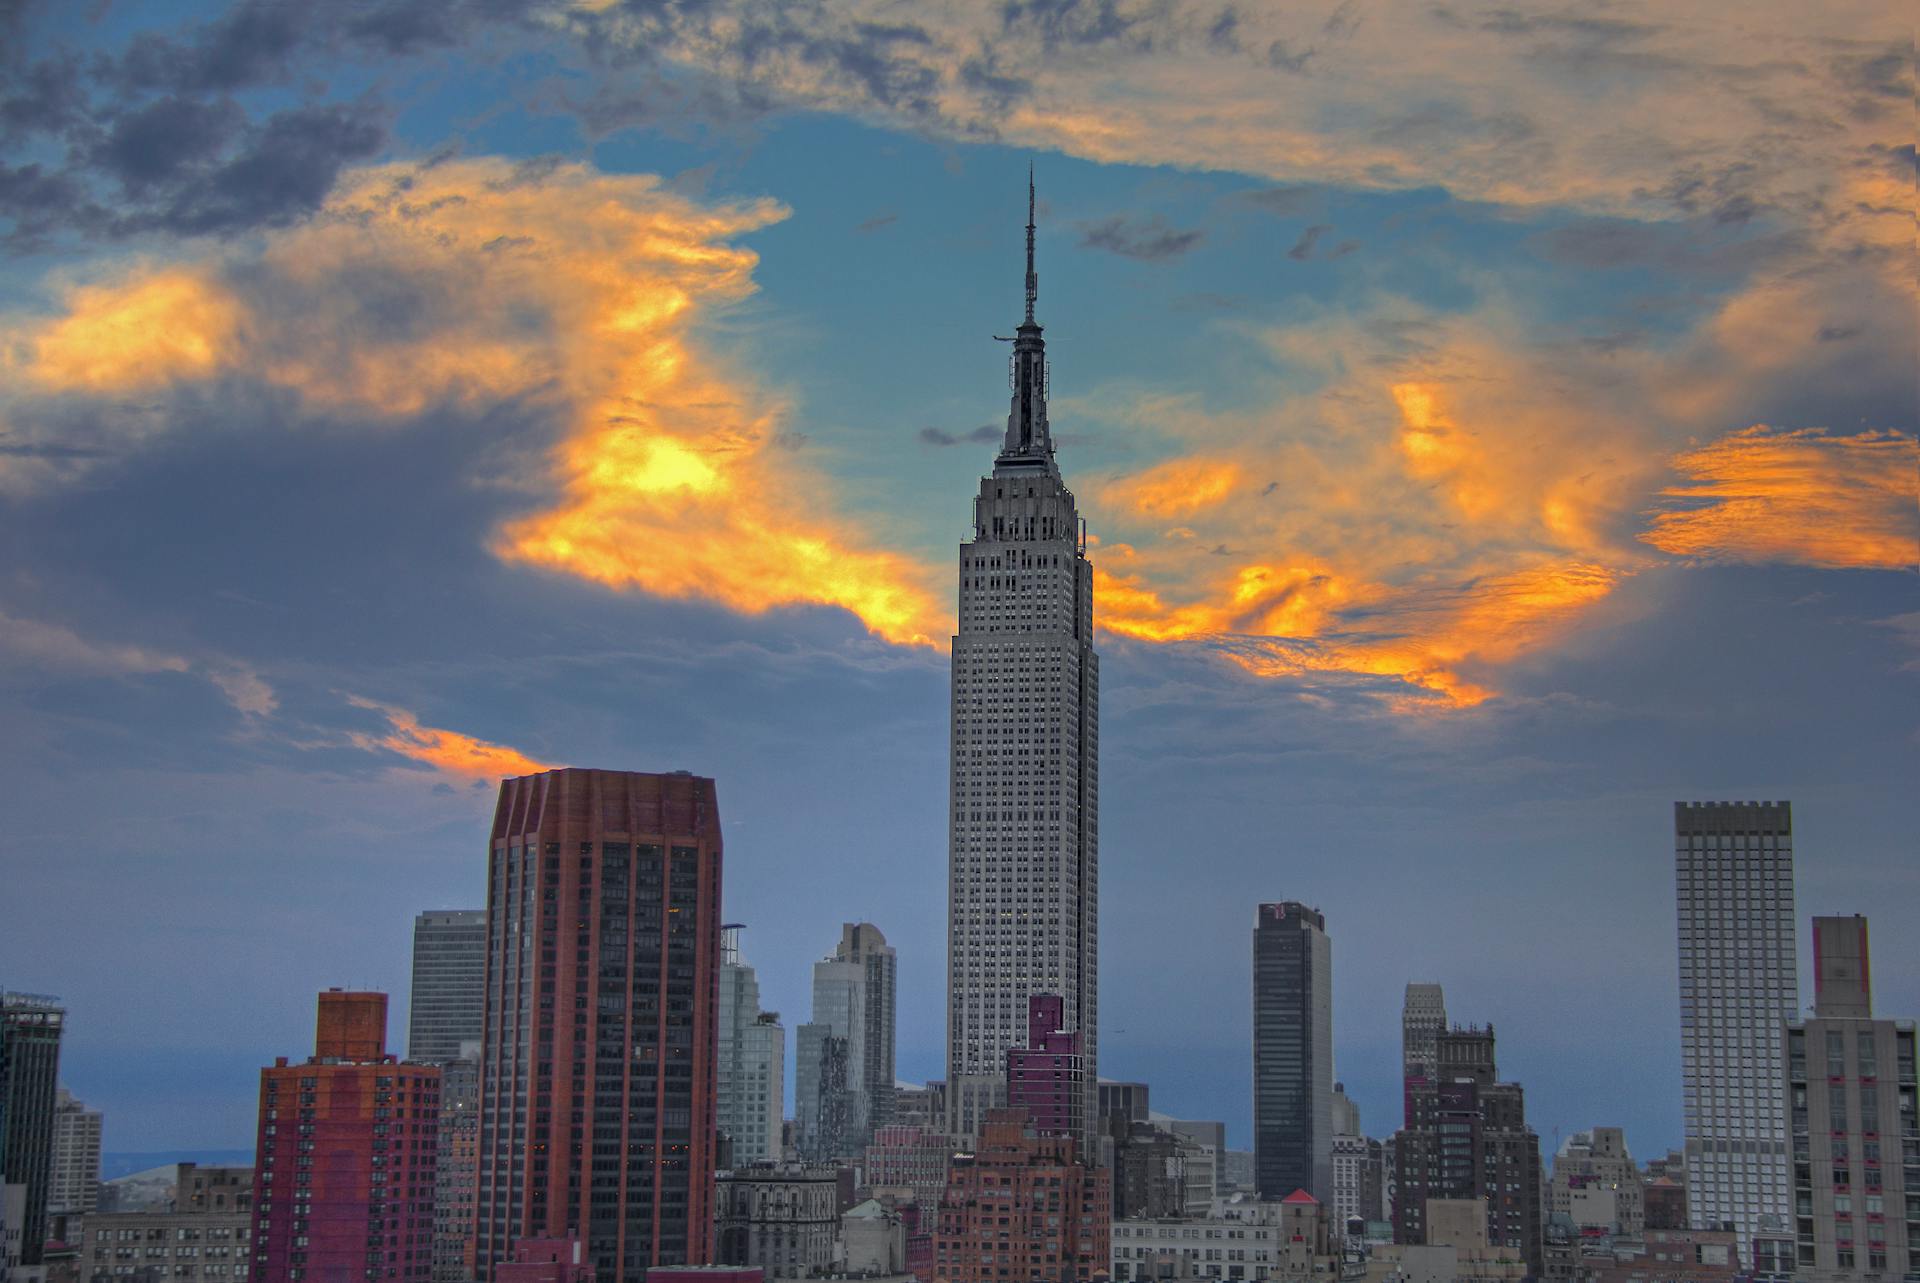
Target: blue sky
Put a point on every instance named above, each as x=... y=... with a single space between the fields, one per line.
x=1491 y=432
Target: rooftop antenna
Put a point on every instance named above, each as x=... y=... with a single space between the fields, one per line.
x=1033 y=277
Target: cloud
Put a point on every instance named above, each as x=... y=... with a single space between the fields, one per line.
x=1177 y=488
x=245 y=690
x=1841 y=502
x=471 y=283
x=449 y=752
x=986 y=432
x=153 y=137
x=56 y=647
x=1303 y=248
x=1729 y=116
x=1150 y=239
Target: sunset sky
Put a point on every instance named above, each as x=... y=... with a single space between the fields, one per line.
x=1493 y=423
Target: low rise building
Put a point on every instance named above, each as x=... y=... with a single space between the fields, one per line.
x=1456 y=1250
x=545 y=1260
x=873 y=1240
x=1290 y=1241
x=1596 y=1183
x=780 y=1217
x=203 y=1237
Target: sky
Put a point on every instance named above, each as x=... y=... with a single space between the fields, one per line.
x=1494 y=424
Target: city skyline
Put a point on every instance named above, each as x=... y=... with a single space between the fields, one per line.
x=1458 y=506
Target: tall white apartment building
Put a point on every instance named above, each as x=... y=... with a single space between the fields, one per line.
x=1023 y=841
x=1739 y=983
x=750 y=1082
x=863 y=943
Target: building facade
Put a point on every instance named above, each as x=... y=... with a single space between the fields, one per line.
x=1850 y=1099
x=1292 y=1051
x=1289 y=1241
x=344 y=1155
x=204 y=1238
x=840 y=1009
x=73 y=1182
x=1423 y=1014
x=1046 y=1077
x=1596 y=1183
x=456 y=1172
x=1358 y=1180
x=30 y=1029
x=782 y=1217
x=1469 y=1142
x=912 y=1161
x=823 y=1096
x=1023 y=856
x=1739 y=980
x=1022 y=1207
x=862 y=944
x=751 y=1075
x=597 y=1111
x=448 y=1000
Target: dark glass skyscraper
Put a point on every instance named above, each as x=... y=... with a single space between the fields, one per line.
x=1292 y=1052
x=597 y=1107
x=30 y=1028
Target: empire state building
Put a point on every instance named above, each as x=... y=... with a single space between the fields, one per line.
x=1024 y=794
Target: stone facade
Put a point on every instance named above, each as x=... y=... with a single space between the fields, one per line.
x=780 y=1217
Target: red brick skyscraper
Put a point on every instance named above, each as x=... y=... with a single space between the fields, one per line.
x=343 y=1173
x=597 y=1082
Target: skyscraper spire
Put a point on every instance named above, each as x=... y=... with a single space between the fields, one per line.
x=1033 y=277
x=1028 y=444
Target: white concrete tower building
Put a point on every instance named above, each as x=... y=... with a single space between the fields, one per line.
x=862 y=942
x=751 y=1066
x=1023 y=866
x=1739 y=983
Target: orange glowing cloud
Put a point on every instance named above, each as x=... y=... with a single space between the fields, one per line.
x=579 y=293
x=1804 y=497
x=155 y=328
x=449 y=752
x=1176 y=488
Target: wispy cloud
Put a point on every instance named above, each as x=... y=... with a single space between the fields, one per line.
x=986 y=432
x=56 y=647
x=1845 y=502
x=1151 y=239
x=449 y=752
